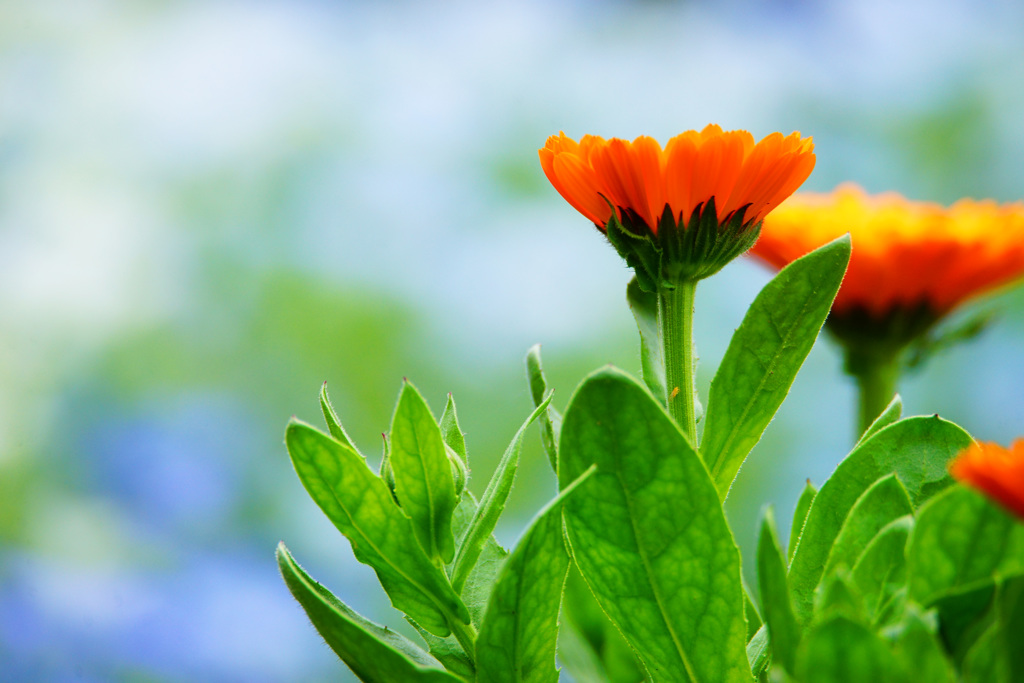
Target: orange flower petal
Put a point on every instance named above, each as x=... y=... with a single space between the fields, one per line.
x=640 y=178
x=905 y=253
x=995 y=471
x=576 y=182
x=680 y=153
x=648 y=159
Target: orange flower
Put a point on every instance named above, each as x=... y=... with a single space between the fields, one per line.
x=995 y=471
x=642 y=178
x=639 y=190
x=907 y=255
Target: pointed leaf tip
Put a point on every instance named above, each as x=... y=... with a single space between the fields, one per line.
x=424 y=481
x=764 y=355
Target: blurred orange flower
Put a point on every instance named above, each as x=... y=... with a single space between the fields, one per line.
x=906 y=255
x=640 y=179
x=995 y=471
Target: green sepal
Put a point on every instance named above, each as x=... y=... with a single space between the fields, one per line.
x=520 y=628
x=460 y=473
x=491 y=504
x=803 y=505
x=373 y=652
x=550 y=420
x=644 y=306
x=783 y=631
x=961 y=541
x=331 y=418
x=764 y=356
x=885 y=501
x=360 y=505
x=424 y=481
x=455 y=446
x=649 y=534
x=915 y=448
x=452 y=434
x=683 y=248
x=868 y=337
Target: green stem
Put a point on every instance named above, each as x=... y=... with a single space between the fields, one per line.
x=876 y=375
x=675 y=316
x=466 y=635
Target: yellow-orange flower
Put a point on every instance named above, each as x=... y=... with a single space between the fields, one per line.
x=664 y=196
x=642 y=178
x=995 y=471
x=907 y=255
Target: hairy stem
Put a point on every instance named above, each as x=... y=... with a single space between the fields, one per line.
x=675 y=316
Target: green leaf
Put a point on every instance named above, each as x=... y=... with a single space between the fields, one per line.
x=916 y=449
x=644 y=306
x=759 y=652
x=491 y=504
x=517 y=640
x=331 y=418
x=361 y=507
x=764 y=356
x=892 y=609
x=578 y=657
x=961 y=541
x=582 y=615
x=803 y=504
x=885 y=501
x=919 y=651
x=783 y=631
x=1011 y=624
x=478 y=586
x=649 y=534
x=374 y=653
x=754 y=620
x=451 y=432
x=448 y=652
x=423 y=475
x=550 y=420
x=986 y=661
x=964 y=617
x=475 y=594
x=838 y=595
x=882 y=567
x=840 y=650
x=891 y=414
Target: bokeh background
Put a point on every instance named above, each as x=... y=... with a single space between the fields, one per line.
x=209 y=208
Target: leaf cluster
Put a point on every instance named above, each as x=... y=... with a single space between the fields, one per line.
x=893 y=571
x=483 y=613
x=896 y=573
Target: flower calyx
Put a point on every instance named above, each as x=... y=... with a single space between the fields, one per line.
x=681 y=249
